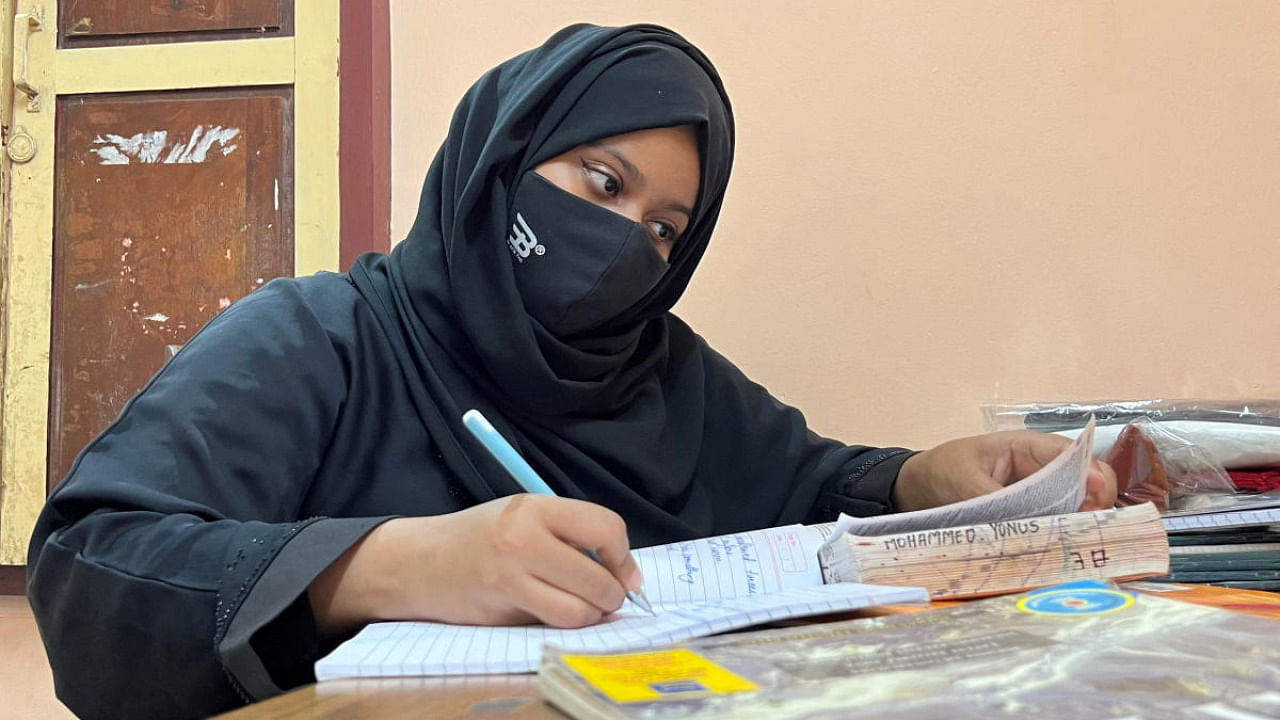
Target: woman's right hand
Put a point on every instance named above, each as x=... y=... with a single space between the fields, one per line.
x=513 y=560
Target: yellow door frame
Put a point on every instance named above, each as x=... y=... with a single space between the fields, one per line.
x=308 y=61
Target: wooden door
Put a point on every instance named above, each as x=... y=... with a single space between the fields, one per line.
x=166 y=158
x=168 y=207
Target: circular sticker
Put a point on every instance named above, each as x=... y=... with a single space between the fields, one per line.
x=1075 y=601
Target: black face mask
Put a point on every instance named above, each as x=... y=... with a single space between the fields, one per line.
x=577 y=265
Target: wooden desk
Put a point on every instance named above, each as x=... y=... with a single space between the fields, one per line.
x=516 y=696
x=478 y=696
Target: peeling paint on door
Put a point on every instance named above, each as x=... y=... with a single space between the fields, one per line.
x=147 y=147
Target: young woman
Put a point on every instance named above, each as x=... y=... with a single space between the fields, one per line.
x=301 y=469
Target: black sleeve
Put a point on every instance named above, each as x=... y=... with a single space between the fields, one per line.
x=168 y=568
x=773 y=470
x=864 y=487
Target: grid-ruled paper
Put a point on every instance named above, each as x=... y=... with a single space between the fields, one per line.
x=404 y=648
x=1222 y=520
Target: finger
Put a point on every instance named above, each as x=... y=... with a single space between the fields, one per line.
x=591 y=527
x=1100 y=487
x=569 y=569
x=553 y=606
x=972 y=482
x=1031 y=451
x=950 y=473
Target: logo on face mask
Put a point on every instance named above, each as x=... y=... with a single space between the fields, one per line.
x=522 y=241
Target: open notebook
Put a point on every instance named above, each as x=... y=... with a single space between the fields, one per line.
x=701 y=587
x=698 y=587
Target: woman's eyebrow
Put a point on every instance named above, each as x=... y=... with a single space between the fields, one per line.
x=681 y=208
x=627 y=165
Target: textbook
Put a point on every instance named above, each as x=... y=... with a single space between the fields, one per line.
x=975 y=560
x=1023 y=536
x=1083 y=650
x=711 y=585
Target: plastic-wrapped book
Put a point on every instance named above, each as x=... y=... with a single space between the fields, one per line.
x=1086 y=649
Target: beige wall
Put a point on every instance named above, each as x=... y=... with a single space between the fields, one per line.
x=940 y=204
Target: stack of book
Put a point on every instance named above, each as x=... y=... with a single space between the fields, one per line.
x=1235 y=542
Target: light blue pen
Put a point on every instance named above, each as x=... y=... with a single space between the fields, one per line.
x=528 y=478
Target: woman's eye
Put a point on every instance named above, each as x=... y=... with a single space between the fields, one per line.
x=604 y=182
x=662 y=232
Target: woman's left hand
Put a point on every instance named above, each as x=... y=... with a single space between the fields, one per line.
x=972 y=466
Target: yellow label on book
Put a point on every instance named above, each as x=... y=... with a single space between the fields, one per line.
x=659 y=675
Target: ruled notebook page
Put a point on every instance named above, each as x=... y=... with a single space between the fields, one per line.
x=416 y=648
x=755 y=562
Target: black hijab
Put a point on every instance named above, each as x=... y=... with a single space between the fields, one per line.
x=612 y=410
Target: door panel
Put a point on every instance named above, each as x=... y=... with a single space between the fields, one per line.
x=119 y=22
x=133 y=17
x=169 y=207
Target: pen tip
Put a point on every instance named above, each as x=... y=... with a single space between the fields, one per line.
x=638 y=597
